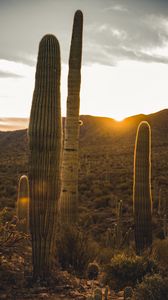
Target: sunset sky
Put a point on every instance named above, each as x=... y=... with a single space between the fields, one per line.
x=125 y=54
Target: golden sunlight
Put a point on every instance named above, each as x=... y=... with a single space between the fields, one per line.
x=24 y=200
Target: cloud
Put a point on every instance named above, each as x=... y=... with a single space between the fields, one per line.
x=135 y=37
x=9 y=75
x=12 y=69
x=120 y=29
x=119 y=8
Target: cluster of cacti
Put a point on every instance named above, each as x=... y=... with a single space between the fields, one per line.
x=45 y=156
x=45 y=152
x=69 y=174
x=114 y=236
x=22 y=205
x=142 y=199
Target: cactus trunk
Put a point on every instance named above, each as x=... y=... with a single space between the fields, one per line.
x=22 y=206
x=44 y=156
x=142 y=199
x=69 y=174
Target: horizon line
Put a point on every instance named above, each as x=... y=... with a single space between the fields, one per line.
x=21 y=123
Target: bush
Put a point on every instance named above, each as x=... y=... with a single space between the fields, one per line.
x=92 y=270
x=152 y=287
x=160 y=252
x=126 y=270
x=10 y=239
x=6 y=215
x=75 y=250
x=105 y=255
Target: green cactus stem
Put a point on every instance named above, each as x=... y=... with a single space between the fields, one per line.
x=44 y=156
x=69 y=174
x=142 y=199
x=22 y=205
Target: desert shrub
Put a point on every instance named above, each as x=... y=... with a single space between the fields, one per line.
x=10 y=238
x=160 y=252
x=92 y=270
x=105 y=255
x=6 y=214
x=127 y=270
x=152 y=287
x=75 y=249
x=102 y=202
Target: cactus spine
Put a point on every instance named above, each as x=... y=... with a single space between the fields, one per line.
x=22 y=207
x=44 y=156
x=69 y=174
x=142 y=200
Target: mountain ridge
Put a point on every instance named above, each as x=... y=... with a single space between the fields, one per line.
x=13 y=124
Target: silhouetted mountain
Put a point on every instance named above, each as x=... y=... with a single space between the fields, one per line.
x=96 y=128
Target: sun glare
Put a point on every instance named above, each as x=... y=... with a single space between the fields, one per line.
x=119 y=119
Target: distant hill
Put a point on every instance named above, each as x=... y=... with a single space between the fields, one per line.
x=95 y=128
x=10 y=124
x=105 y=167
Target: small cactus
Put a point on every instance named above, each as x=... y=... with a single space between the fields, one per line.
x=127 y=238
x=98 y=294
x=128 y=293
x=106 y=293
x=22 y=206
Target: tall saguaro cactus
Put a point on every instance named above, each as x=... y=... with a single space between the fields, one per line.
x=22 y=206
x=69 y=174
x=44 y=157
x=142 y=200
